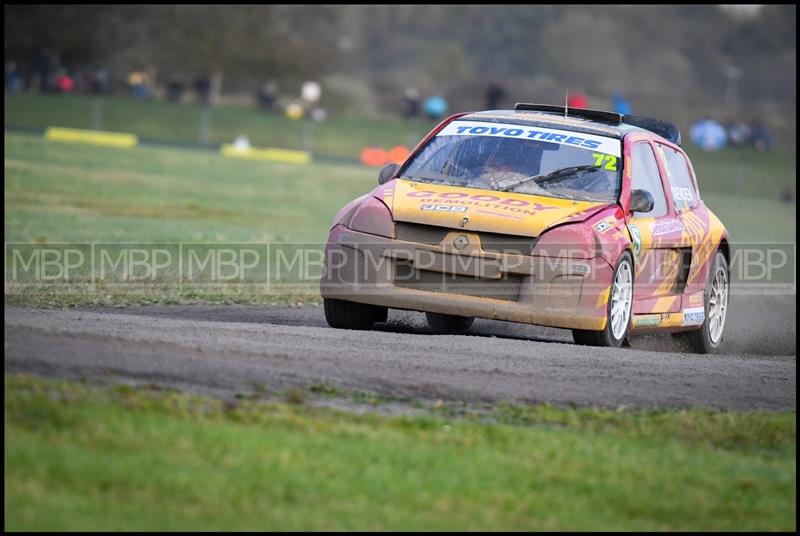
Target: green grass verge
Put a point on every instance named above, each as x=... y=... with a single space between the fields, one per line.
x=745 y=173
x=117 y=458
x=339 y=137
x=754 y=219
x=71 y=192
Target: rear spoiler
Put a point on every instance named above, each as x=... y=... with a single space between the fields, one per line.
x=665 y=129
x=601 y=116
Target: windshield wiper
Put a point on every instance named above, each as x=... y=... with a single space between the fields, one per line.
x=436 y=178
x=549 y=177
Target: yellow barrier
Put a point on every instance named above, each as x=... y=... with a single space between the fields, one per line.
x=94 y=137
x=275 y=155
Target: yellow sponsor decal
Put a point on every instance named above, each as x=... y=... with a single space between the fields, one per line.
x=669 y=266
x=664 y=304
x=602 y=299
x=274 y=155
x=694 y=226
x=93 y=137
x=671 y=320
x=706 y=245
x=481 y=210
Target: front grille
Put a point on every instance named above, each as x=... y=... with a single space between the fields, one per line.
x=508 y=244
x=422 y=234
x=506 y=288
x=494 y=242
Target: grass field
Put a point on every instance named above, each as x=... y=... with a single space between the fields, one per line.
x=67 y=192
x=85 y=458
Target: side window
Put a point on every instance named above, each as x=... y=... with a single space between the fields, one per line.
x=684 y=195
x=645 y=176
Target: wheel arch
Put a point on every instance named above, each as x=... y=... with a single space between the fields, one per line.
x=725 y=249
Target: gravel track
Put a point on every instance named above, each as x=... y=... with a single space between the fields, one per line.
x=228 y=349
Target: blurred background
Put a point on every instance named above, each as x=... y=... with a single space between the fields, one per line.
x=735 y=65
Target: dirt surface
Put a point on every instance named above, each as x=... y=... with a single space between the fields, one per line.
x=229 y=349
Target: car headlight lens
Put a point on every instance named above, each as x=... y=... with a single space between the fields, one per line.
x=567 y=242
x=373 y=217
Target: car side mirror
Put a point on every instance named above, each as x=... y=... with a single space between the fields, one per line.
x=642 y=201
x=387 y=172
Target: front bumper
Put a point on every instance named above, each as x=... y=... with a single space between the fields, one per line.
x=458 y=278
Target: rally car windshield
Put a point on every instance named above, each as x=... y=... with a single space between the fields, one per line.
x=523 y=159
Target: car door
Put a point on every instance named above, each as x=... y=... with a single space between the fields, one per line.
x=659 y=249
x=685 y=201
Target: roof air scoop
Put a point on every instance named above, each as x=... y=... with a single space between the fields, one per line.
x=665 y=129
x=600 y=116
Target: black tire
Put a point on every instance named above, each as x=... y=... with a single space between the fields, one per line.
x=699 y=340
x=350 y=315
x=450 y=324
x=606 y=336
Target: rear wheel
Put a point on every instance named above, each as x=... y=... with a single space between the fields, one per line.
x=449 y=323
x=350 y=315
x=618 y=310
x=708 y=338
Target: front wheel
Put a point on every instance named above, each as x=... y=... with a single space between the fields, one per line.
x=618 y=310
x=708 y=338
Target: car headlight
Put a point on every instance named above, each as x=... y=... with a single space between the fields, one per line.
x=573 y=241
x=346 y=213
x=373 y=217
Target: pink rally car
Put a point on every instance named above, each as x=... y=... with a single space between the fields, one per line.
x=579 y=219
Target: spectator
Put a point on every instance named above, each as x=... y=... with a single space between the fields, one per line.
x=139 y=84
x=435 y=107
x=495 y=94
x=175 y=88
x=13 y=79
x=738 y=132
x=100 y=80
x=760 y=138
x=46 y=62
x=64 y=82
x=202 y=89
x=267 y=96
x=708 y=134
x=621 y=106
x=411 y=103
x=79 y=80
x=578 y=99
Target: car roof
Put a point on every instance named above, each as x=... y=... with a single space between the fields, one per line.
x=553 y=120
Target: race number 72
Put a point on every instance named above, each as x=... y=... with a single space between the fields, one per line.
x=610 y=161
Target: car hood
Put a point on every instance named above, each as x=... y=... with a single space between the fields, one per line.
x=475 y=209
